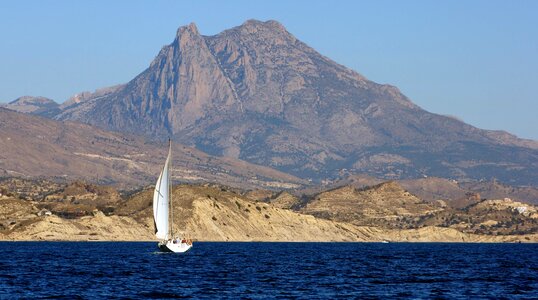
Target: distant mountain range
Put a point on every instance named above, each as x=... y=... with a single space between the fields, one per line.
x=256 y=93
x=34 y=105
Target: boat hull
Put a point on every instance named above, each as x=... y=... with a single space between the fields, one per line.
x=170 y=246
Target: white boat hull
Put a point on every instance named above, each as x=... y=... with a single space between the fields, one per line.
x=178 y=247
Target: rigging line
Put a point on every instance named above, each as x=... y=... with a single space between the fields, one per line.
x=170 y=189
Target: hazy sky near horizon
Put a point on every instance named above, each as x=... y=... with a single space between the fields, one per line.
x=475 y=60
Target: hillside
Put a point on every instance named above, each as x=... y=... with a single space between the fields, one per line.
x=388 y=205
x=431 y=189
x=32 y=146
x=381 y=205
x=207 y=213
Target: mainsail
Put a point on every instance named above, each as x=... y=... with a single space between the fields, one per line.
x=161 y=202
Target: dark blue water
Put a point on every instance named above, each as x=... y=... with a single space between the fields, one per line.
x=268 y=270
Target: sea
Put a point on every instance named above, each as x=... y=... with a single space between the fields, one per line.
x=136 y=270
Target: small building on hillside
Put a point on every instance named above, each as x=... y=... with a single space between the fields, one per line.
x=521 y=209
x=44 y=212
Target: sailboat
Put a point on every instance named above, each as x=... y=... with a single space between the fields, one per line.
x=163 y=213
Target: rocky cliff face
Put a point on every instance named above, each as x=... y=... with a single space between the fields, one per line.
x=180 y=87
x=257 y=93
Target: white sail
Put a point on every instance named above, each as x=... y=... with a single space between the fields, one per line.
x=161 y=202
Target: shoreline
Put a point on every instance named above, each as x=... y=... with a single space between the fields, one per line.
x=282 y=242
x=532 y=239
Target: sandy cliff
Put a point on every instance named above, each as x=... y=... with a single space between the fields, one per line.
x=212 y=213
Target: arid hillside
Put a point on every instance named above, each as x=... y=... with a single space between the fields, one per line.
x=381 y=205
x=388 y=205
x=79 y=211
x=431 y=189
x=33 y=147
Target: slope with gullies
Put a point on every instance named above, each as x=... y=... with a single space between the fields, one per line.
x=218 y=213
x=381 y=205
x=23 y=220
x=389 y=206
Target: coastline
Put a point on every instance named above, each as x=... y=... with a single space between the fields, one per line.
x=61 y=232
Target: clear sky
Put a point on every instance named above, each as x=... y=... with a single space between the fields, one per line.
x=476 y=60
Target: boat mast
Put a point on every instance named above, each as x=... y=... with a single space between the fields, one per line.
x=170 y=191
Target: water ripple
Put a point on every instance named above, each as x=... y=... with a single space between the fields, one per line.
x=64 y=270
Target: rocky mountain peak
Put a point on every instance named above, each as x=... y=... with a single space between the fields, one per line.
x=268 y=25
x=188 y=39
x=190 y=29
x=269 y=32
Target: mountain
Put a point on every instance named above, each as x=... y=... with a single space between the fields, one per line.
x=32 y=146
x=257 y=93
x=34 y=105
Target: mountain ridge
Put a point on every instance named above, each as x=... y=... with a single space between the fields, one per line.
x=257 y=93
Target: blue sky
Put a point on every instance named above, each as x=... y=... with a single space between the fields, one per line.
x=476 y=60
